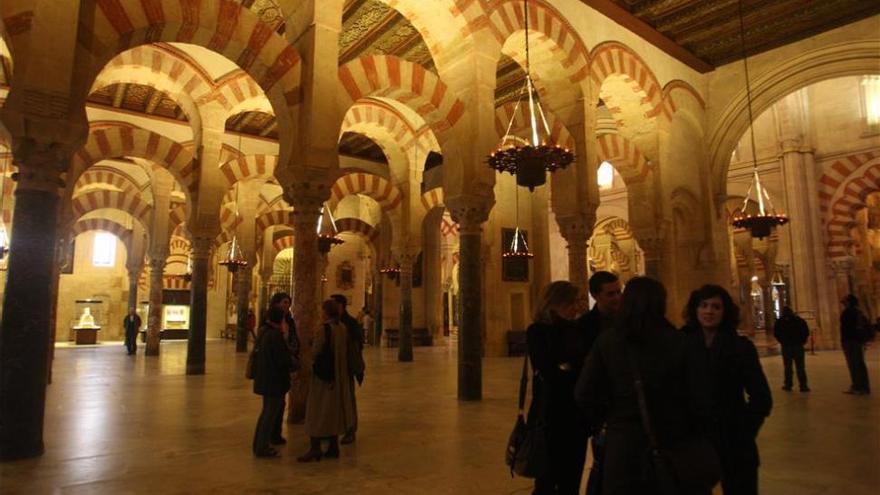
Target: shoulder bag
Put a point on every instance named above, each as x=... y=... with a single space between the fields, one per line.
x=691 y=466
x=527 y=450
x=324 y=366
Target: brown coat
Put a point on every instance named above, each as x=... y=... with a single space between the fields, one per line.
x=330 y=409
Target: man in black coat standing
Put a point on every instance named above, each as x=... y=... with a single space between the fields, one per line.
x=131 y=324
x=272 y=365
x=792 y=333
x=854 y=329
x=355 y=358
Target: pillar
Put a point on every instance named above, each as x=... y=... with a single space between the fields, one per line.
x=26 y=327
x=198 y=306
x=133 y=276
x=405 y=347
x=154 y=315
x=470 y=213
x=432 y=283
x=576 y=230
x=378 y=305
x=242 y=293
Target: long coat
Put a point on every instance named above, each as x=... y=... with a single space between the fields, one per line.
x=740 y=396
x=675 y=390
x=330 y=407
x=272 y=363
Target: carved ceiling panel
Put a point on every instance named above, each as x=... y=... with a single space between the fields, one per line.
x=254 y=123
x=370 y=27
x=359 y=146
x=710 y=28
x=137 y=98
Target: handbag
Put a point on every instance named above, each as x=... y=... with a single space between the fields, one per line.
x=324 y=366
x=527 y=449
x=691 y=465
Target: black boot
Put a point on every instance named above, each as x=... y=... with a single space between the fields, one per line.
x=333 y=449
x=314 y=453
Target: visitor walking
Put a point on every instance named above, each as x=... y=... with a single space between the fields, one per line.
x=131 y=324
x=792 y=333
x=355 y=357
x=606 y=290
x=281 y=300
x=740 y=395
x=557 y=348
x=329 y=409
x=855 y=332
x=643 y=357
x=272 y=363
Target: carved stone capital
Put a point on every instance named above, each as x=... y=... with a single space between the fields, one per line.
x=470 y=212
x=841 y=266
x=201 y=245
x=157 y=265
x=307 y=197
x=40 y=164
x=576 y=229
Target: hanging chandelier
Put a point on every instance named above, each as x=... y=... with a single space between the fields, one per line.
x=529 y=157
x=761 y=223
x=391 y=271
x=234 y=257
x=518 y=248
x=327 y=233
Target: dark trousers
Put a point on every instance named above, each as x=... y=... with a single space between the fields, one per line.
x=568 y=452
x=739 y=479
x=271 y=410
x=854 y=352
x=279 y=421
x=131 y=341
x=794 y=353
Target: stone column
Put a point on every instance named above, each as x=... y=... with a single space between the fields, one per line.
x=133 y=275
x=576 y=230
x=378 y=305
x=154 y=317
x=26 y=327
x=652 y=247
x=432 y=285
x=198 y=306
x=306 y=266
x=469 y=213
x=242 y=293
x=405 y=347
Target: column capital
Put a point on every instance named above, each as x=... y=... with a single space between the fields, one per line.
x=576 y=229
x=157 y=264
x=470 y=212
x=840 y=266
x=40 y=164
x=308 y=196
x=201 y=244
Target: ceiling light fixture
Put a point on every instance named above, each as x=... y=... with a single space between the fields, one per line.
x=327 y=232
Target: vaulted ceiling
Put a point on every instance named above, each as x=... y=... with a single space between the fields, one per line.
x=709 y=29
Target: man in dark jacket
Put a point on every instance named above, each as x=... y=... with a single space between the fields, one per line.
x=605 y=287
x=355 y=358
x=272 y=365
x=792 y=333
x=853 y=329
x=131 y=324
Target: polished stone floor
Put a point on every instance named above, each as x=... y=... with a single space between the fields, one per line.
x=119 y=425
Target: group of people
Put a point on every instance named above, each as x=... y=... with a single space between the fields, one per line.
x=331 y=407
x=596 y=373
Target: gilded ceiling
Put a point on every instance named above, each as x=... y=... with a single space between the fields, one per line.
x=370 y=27
x=710 y=28
x=137 y=98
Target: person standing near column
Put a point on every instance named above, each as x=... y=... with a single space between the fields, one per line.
x=281 y=300
x=131 y=324
x=271 y=379
x=792 y=333
x=355 y=357
x=854 y=329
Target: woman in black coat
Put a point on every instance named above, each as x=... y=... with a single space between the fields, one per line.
x=272 y=366
x=281 y=300
x=739 y=392
x=557 y=349
x=672 y=380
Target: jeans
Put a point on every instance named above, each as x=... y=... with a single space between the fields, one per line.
x=266 y=423
x=794 y=352
x=854 y=351
x=131 y=341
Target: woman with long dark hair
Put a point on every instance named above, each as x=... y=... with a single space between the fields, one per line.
x=557 y=350
x=740 y=395
x=671 y=379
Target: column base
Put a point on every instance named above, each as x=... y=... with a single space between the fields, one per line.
x=195 y=368
x=151 y=352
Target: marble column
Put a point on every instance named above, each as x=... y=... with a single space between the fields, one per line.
x=242 y=293
x=405 y=347
x=154 y=315
x=470 y=215
x=26 y=327
x=198 y=306
x=576 y=230
x=134 y=274
x=306 y=275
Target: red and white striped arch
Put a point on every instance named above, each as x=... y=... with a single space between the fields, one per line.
x=249 y=167
x=625 y=156
x=127 y=202
x=105 y=225
x=404 y=81
x=109 y=177
x=678 y=94
x=272 y=219
x=384 y=192
x=358 y=227
x=124 y=141
x=611 y=57
x=842 y=191
x=507 y=18
x=433 y=198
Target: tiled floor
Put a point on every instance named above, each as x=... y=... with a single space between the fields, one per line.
x=118 y=425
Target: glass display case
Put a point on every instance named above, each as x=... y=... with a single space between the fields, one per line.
x=175 y=317
x=89 y=317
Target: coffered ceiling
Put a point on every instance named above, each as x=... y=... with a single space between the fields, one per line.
x=138 y=98
x=370 y=27
x=709 y=29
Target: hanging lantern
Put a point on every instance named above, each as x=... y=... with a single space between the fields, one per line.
x=761 y=223
x=529 y=157
x=4 y=242
x=518 y=248
x=391 y=271
x=234 y=257
x=327 y=233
